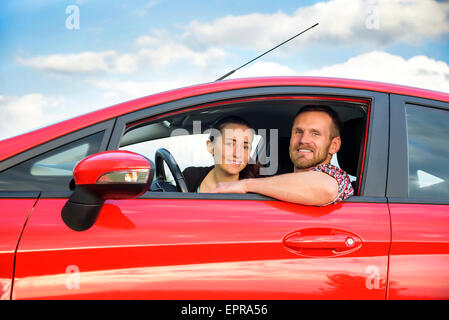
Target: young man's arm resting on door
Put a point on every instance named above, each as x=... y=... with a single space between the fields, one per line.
x=308 y=188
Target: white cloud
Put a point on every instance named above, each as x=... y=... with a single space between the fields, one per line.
x=157 y=57
x=28 y=112
x=85 y=62
x=263 y=68
x=158 y=52
x=116 y=91
x=418 y=71
x=374 y=22
x=156 y=38
x=125 y=63
x=171 y=53
x=147 y=41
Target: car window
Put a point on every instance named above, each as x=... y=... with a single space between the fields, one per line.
x=184 y=135
x=52 y=170
x=61 y=163
x=188 y=150
x=428 y=155
x=181 y=148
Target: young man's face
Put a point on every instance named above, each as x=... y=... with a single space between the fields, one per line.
x=310 y=142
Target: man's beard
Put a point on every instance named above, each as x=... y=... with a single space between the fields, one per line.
x=319 y=156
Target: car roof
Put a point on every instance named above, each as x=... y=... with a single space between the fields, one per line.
x=15 y=145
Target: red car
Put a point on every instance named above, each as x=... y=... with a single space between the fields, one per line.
x=100 y=231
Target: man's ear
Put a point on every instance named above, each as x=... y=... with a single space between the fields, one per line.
x=335 y=145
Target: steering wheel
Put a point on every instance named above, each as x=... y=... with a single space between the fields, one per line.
x=163 y=155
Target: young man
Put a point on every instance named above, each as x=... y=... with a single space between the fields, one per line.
x=314 y=139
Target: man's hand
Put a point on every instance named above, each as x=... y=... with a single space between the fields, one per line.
x=231 y=187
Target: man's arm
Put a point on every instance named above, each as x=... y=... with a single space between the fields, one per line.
x=308 y=188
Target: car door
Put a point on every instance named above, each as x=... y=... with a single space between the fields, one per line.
x=418 y=191
x=168 y=245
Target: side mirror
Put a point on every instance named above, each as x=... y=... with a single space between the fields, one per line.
x=102 y=176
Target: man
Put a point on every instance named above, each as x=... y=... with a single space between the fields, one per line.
x=314 y=139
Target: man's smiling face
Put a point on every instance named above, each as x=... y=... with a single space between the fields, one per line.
x=310 y=142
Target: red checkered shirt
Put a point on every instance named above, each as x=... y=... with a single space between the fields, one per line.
x=345 y=189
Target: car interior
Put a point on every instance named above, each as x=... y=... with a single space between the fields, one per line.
x=273 y=113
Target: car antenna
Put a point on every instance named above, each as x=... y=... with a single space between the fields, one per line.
x=231 y=72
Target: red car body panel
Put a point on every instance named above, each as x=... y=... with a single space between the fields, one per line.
x=12 y=220
x=15 y=145
x=419 y=256
x=206 y=249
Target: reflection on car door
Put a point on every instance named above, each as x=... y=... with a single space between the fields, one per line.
x=207 y=248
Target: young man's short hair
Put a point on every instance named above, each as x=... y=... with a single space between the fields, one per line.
x=337 y=125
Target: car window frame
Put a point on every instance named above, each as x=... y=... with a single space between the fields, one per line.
x=398 y=170
x=374 y=169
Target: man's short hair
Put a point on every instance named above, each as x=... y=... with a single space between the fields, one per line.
x=337 y=125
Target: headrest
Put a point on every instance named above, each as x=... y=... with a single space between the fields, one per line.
x=351 y=145
x=284 y=161
x=285 y=165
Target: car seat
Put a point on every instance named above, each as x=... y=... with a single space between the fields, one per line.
x=350 y=153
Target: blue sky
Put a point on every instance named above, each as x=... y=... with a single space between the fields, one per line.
x=127 y=49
